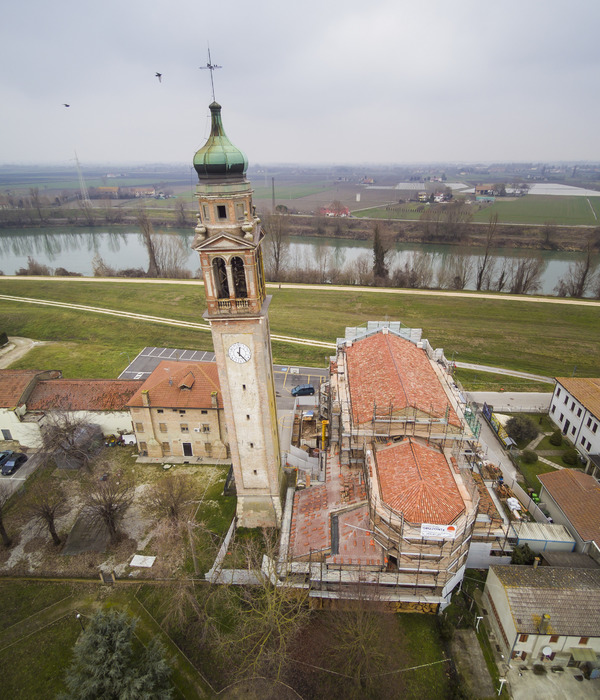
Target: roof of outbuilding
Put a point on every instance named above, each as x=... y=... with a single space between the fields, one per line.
x=578 y=496
x=181 y=385
x=570 y=596
x=83 y=394
x=387 y=370
x=14 y=382
x=585 y=389
x=416 y=480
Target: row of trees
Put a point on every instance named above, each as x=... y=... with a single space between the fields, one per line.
x=458 y=270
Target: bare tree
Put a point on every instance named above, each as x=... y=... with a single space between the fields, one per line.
x=181 y=213
x=170 y=497
x=68 y=439
x=45 y=505
x=579 y=277
x=171 y=255
x=277 y=227
x=485 y=264
x=106 y=503
x=266 y=618
x=526 y=275
x=147 y=231
x=355 y=641
x=382 y=249
x=416 y=273
x=456 y=271
x=5 y=494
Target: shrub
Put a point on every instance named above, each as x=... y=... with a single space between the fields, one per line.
x=521 y=428
x=570 y=456
x=556 y=438
x=529 y=457
x=522 y=554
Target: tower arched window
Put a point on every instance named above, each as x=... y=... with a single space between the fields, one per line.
x=220 y=275
x=239 y=278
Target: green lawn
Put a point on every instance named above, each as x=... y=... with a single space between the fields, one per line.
x=532 y=471
x=474 y=380
x=486 y=331
x=541 y=209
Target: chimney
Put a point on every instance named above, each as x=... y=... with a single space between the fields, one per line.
x=544 y=624
x=214 y=396
x=145 y=397
x=536 y=562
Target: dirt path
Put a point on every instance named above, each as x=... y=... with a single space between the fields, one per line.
x=330 y=288
x=16 y=349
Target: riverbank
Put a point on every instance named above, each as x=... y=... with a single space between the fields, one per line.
x=546 y=237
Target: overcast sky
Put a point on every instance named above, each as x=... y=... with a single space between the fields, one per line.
x=314 y=81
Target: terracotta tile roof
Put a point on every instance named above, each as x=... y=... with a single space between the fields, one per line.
x=181 y=385
x=13 y=383
x=416 y=480
x=578 y=496
x=570 y=596
x=83 y=394
x=386 y=370
x=585 y=390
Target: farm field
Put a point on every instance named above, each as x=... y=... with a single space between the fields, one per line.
x=555 y=338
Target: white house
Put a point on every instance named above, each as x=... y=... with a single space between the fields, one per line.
x=575 y=409
x=544 y=614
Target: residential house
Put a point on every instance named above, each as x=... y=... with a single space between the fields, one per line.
x=575 y=409
x=573 y=499
x=178 y=411
x=544 y=614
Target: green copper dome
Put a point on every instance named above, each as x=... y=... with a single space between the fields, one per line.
x=219 y=158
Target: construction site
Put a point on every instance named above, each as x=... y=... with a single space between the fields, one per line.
x=387 y=504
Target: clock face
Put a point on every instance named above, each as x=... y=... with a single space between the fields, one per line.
x=238 y=352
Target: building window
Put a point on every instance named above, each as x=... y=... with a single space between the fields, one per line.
x=583 y=440
x=239 y=211
x=572 y=405
x=166 y=448
x=554 y=638
x=589 y=422
x=595 y=427
x=566 y=401
x=205 y=428
x=558 y=392
x=553 y=409
x=239 y=278
x=181 y=411
x=220 y=277
x=204 y=412
x=560 y=420
x=162 y=427
x=588 y=446
x=243 y=387
x=247 y=417
x=221 y=211
x=205 y=212
x=573 y=430
x=523 y=637
x=251 y=444
x=139 y=427
x=184 y=427
x=584 y=640
x=160 y=410
x=579 y=413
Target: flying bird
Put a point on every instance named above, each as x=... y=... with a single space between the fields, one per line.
x=65 y=104
x=159 y=76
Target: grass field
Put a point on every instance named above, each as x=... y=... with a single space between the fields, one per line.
x=532 y=209
x=543 y=338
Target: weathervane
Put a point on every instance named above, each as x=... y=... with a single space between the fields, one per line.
x=211 y=67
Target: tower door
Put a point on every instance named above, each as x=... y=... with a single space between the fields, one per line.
x=187 y=449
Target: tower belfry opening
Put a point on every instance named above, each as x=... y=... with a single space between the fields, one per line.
x=228 y=238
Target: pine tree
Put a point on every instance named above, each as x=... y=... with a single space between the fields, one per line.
x=105 y=667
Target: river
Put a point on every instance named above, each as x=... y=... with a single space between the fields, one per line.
x=74 y=248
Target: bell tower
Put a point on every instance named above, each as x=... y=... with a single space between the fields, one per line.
x=229 y=241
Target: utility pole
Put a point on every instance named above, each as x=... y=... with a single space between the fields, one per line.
x=273 y=194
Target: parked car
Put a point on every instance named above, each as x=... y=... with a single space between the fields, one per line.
x=5 y=456
x=13 y=463
x=303 y=390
